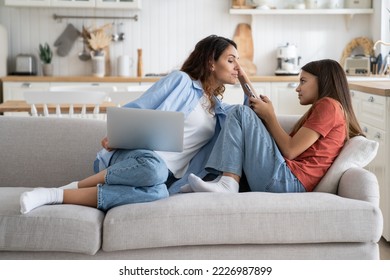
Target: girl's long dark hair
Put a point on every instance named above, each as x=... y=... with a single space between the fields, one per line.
x=198 y=64
x=332 y=82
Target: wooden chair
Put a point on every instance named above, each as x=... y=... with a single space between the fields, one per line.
x=68 y=99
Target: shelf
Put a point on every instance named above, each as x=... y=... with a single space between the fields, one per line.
x=347 y=13
x=350 y=12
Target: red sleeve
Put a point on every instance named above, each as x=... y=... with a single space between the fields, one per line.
x=324 y=116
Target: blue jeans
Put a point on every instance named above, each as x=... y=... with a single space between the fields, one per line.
x=245 y=144
x=133 y=176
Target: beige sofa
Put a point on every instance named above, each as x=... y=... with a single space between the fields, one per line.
x=47 y=152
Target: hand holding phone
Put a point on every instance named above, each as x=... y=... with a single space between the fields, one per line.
x=249 y=91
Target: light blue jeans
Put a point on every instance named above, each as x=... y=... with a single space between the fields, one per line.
x=245 y=144
x=133 y=176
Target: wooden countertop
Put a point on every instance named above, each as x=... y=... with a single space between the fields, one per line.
x=374 y=87
x=113 y=79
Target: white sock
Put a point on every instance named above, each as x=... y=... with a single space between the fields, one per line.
x=40 y=196
x=226 y=184
x=72 y=186
x=187 y=188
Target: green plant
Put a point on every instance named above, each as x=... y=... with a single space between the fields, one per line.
x=45 y=53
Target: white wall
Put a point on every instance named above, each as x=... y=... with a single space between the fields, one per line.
x=167 y=31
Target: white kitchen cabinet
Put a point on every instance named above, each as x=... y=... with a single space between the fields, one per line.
x=285 y=99
x=114 y=4
x=372 y=113
x=234 y=94
x=15 y=90
x=282 y=94
x=119 y=4
x=73 y=3
x=29 y=3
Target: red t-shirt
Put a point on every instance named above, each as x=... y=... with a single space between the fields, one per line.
x=327 y=118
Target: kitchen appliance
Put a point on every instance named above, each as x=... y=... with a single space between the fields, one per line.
x=288 y=60
x=25 y=64
x=357 y=66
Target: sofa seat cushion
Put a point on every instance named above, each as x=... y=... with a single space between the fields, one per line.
x=242 y=218
x=66 y=228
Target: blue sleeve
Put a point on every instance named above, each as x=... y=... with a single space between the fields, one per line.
x=166 y=88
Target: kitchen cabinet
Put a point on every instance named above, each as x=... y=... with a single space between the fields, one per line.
x=30 y=3
x=15 y=90
x=73 y=3
x=285 y=99
x=234 y=94
x=114 y=4
x=282 y=94
x=372 y=113
x=119 y=4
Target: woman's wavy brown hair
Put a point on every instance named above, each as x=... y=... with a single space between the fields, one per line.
x=198 y=64
x=332 y=82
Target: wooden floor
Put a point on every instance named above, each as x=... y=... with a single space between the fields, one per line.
x=384 y=248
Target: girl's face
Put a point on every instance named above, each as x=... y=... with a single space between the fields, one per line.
x=225 y=69
x=307 y=88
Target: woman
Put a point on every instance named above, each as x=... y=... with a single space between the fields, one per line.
x=132 y=176
x=274 y=161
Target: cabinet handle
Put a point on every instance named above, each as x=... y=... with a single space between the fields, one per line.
x=365 y=129
x=95 y=84
x=352 y=93
x=292 y=85
x=371 y=99
x=377 y=135
x=26 y=85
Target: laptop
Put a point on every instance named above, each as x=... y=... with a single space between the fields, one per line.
x=129 y=128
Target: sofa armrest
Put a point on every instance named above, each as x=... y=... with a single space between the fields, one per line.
x=359 y=183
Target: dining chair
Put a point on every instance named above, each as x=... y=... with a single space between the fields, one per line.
x=65 y=99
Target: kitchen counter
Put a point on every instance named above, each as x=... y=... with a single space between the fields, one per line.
x=112 y=79
x=374 y=87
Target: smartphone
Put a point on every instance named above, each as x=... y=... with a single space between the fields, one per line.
x=249 y=91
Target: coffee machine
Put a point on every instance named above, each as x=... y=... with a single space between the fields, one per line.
x=288 y=60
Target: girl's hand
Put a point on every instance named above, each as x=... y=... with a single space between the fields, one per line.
x=262 y=107
x=105 y=145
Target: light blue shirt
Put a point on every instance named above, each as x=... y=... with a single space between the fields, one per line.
x=175 y=92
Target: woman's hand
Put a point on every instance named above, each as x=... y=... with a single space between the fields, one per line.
x=105 y=145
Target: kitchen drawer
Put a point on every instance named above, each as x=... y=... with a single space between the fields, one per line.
x=14 y=90
x=373 y=110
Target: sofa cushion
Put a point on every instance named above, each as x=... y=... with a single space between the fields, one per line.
x=241 y=218
x=66 y=228
x=49 y=152
x=357 y=152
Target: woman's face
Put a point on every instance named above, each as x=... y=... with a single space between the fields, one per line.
x=225 y=69
x=307 y=88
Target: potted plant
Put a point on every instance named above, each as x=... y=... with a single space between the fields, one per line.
x=46 y=55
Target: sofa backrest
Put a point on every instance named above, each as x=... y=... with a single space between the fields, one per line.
x=47 y=152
